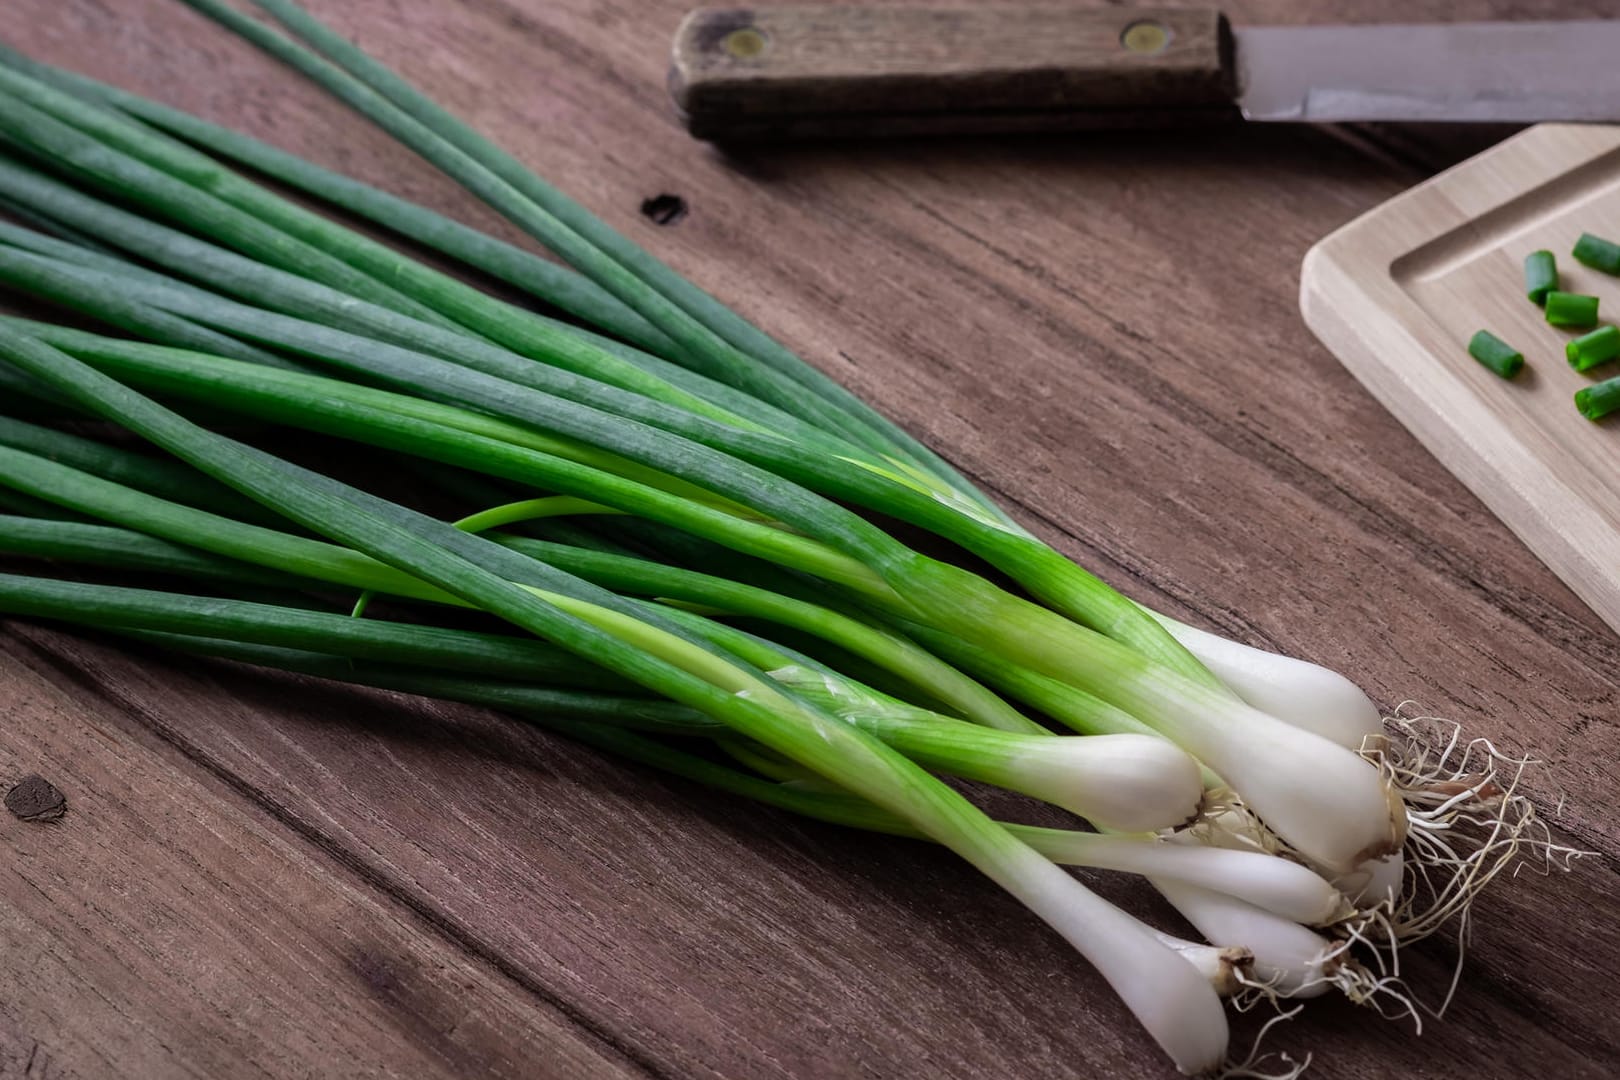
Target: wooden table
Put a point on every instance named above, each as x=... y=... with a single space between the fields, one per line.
x=263 y=876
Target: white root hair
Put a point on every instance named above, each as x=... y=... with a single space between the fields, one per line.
x=1468 y=821
x=1252 y=1066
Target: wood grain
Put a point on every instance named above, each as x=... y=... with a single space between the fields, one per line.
x=1102 y=330
x=166 y=927
x=799 y=70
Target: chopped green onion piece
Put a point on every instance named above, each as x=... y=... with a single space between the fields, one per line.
x=1590 y=350
x=1599 y=399
x=1540 y=275
x=1571 y=309
x=1598 y=253
x=1495 y=354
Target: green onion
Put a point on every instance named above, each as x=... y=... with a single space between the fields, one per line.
x=1598 y=400
x=1495 y=354
x=1179 y=1007
x=709 y=578
x=1540 y=275
x=1571 y=309
x=1598 y=253
x=1590 y=350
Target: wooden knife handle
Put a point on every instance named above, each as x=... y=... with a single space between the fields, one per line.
x=786 y=72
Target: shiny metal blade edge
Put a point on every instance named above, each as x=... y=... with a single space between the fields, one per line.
x=1505 y=72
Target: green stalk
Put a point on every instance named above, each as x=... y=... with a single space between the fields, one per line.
x=1121 y=783
x=649 y=287
x=621 y=725
x=1053 y=578
x=697 y=344
x=956 y=602
x=746 y=345
x=24 y=395
x=156 y=475
x=945 y=597
x=703 y=466
x=551 y=283
x=497 y=517
x=416 y=547
x=1076 y=709
x=592 y=717
x=40 y=223
x=200 y=376
x=1083 y=712
x=29 y=527
x=573 y=349
x=507 y=514
x=88 y=287
x=341 y=649
x=315 y=559
x=117 y=309
x=94 y=161
x=445 y=434
x=890 y=651
x=409 y=646
x=26 y=506
x=1207 y=725
x=460 y=304
x=186 y=525
x=329 y=297
x=603 y=610
x=601 y=363
x=637 y=714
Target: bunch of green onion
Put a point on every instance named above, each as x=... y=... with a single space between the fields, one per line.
x=641 y=522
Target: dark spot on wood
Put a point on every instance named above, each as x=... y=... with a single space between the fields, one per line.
x=36 y=799
x=664 y=209
x=376 y=972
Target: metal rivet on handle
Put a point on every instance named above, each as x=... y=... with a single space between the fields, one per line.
x=1145 y=37
x=745 y=44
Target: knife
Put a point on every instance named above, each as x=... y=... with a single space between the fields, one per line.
x=798 y=71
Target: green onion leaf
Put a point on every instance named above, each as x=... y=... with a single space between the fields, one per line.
x=1598 y=253
x=1571 y=309
x=1590 y=350
x=1598 y=400
x=1540 y=275
x=1495 y=354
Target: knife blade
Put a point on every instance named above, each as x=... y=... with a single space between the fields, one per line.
x=1459 y=72
x=813 y=70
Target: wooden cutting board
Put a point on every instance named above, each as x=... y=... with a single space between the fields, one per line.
x=1397 y=293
